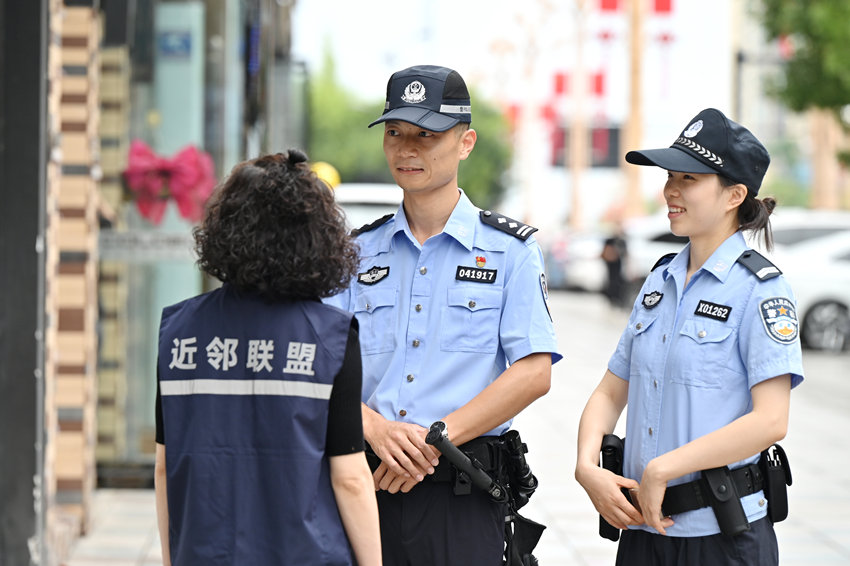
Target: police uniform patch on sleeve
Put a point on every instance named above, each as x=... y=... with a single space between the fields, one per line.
x=713 y=310
x=374 y=275
x=545 y=288
x=505 y=224
x=779 y=316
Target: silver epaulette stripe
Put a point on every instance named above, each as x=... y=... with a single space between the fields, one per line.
x=765 y=271
x=277 y=387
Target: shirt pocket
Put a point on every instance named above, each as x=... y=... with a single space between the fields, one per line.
x=643 y=352
x=706 y=347
x=376 y=314
x=470 y=321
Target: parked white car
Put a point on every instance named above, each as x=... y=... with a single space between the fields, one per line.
x=363 y=203
x=818 y=271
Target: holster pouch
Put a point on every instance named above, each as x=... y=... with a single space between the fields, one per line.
x=724 y=500
x=612 y=460
x=777 y=475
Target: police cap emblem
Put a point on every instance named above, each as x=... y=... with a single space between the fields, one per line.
x=693 y=129
x=414 y=93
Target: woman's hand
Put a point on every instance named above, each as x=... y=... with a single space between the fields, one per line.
x=653 y=486
x=604 y=489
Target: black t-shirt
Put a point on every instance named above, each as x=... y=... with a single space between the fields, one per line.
x=345 y=420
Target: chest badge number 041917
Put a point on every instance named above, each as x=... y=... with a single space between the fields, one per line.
x=475 y=274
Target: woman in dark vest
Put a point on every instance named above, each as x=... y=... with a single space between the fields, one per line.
x=259 y=455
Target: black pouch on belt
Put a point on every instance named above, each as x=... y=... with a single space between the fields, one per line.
x=723 y=498
x=777 y=475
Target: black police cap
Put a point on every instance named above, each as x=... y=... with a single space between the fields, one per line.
x=712 y=143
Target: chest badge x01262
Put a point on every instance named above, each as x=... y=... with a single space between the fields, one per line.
x=779 y=316
x=373 y=275
x=651 y=300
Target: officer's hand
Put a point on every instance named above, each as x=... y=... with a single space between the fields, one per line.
x=650 y=496
x=402 y=447
x=603 y=488
x=387 y=480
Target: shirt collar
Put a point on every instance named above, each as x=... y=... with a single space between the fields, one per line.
x=459 y=226
x=718 y=264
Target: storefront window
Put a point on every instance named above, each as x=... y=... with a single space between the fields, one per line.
x=212 y=74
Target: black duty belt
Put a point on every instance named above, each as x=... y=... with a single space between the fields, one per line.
x=695 y=494
x=484 y=450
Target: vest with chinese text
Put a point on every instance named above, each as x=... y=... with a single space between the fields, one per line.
x=245 y=387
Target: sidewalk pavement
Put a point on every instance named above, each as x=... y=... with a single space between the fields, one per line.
x=817 y=531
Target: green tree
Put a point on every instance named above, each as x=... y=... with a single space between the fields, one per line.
x=816 y=74
x=339 y=136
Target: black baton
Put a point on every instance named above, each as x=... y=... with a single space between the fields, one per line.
x=438 y=438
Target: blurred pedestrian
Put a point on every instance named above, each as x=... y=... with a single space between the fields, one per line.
x=614 y=255
x=706 y=366
x=259 y=454
x=448 y=297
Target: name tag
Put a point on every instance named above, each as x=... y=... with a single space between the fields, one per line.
x=713 y=310
x=475 y=274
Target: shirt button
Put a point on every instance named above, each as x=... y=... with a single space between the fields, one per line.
x=368 y=306
x=410 y=377
x=472 y=304
x=487 y=213
x=402 y=413
x=650 y=431
x=701 y=333
x=638 y=325
x=416 y=343
x=664 y=338
x=655 y=383
x=423 y=270
x=418 y=308
x=762 y=502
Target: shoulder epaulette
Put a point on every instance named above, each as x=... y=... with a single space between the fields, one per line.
x=663 y=260
x=513 y=227
x=372 y=226
x=762 y=267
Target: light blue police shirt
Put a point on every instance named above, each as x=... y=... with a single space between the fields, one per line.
x=440 y=321
x=691 y=356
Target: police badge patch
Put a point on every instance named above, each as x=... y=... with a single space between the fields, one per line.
x=651 y=300
x=374 y=275
x=545 y=288
x=779 y=316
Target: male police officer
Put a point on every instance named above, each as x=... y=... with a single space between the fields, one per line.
x=447 y=297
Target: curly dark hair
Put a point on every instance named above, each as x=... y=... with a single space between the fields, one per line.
x=273 y=228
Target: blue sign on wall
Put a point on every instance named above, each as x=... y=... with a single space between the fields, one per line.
x=175 y=44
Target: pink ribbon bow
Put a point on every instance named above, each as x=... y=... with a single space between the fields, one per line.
x=187 y=178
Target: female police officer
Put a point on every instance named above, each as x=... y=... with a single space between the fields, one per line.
x=706 y=366
x=259 y=455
